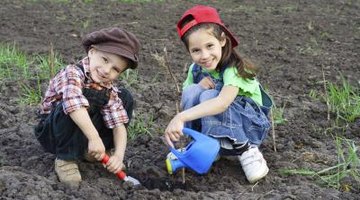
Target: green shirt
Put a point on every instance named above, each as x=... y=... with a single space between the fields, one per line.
x=247 y=87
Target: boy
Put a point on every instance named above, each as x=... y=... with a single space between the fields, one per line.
x=83 y=113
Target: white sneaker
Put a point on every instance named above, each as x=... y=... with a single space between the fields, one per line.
x=253 y=164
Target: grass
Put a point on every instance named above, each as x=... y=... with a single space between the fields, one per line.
x=13 y=63
x=343 y=100
x=140 y=126
x=345 y=175
x=130 y=76
x=16 y=66
x=48 y=66
x=278 y=114
x=30 y=95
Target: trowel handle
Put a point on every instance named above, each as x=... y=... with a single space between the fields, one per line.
x=120 y=174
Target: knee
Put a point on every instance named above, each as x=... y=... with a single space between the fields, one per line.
x=191 y=94
x=192 y=90
x=208 y=94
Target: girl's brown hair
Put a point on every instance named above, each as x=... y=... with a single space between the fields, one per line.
x=229 y=57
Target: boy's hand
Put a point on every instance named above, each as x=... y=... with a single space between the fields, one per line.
x=173 y=131
x=115 y=164
x=207 y=83
x=96 y=148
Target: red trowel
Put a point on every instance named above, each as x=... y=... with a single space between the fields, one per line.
x=121 y=174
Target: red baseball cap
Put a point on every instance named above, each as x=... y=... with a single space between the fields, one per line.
x=203 y=14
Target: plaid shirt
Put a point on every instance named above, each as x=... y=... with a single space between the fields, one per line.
x=66 y=88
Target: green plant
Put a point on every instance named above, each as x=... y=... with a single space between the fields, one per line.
x=140 y=126
x=344 y=100
x=15 y=65
x=130 y=76
x=347 y=167
x=311 y=48
x=12 y=62
x=314 y=94
x=30 y=95
x=278 y=115
x=47 y=66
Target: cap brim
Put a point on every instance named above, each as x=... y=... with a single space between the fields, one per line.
x=119 y=51
x=234 y=41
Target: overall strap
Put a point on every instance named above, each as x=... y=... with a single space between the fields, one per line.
x=94 y=96
x=266 y=100
x=197 y=72
x=81 y=67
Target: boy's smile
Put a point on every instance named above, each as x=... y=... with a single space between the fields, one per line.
x=105 y=67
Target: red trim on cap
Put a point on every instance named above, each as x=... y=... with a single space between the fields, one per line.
x=187 y=27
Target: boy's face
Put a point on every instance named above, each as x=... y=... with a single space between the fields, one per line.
x=105 y=67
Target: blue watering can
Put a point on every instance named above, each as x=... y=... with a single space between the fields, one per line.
x=198 y=155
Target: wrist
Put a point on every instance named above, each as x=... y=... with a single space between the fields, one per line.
x=181 y=116
x=93 y=137
x=118 y=155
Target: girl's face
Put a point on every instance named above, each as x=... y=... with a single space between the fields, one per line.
x=205 y=49
x=105 y=67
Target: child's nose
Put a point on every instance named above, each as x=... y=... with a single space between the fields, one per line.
x=106 y=69
x=205 y=54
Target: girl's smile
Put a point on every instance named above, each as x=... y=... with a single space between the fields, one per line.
x=205 y=49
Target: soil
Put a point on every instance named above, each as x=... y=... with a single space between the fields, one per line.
x=295 y=42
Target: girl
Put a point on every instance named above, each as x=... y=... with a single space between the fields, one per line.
x=221 y=96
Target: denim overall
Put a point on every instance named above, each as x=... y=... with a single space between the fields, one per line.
x=58 y=133
x=244 y=123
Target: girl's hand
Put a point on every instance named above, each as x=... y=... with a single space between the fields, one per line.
x=96 y=148
x=207 y=83
x=173 y=131
x=115 y=164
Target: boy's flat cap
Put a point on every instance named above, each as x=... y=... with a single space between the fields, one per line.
x=116 y=41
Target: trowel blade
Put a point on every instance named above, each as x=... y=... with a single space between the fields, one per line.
x=132 y=180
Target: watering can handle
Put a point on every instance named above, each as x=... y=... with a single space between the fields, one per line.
x=194 y=134
x=187 y=131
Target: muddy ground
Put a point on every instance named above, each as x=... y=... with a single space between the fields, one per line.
x=293 y=41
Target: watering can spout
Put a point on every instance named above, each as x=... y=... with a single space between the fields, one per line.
x=198 y=155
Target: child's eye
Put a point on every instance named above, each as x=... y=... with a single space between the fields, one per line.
x=195 y=50
x=210 y=46
x=116 y=69
x=105 y=60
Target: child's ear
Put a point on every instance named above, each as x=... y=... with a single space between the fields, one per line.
x=91 y=51
x=222 y=39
